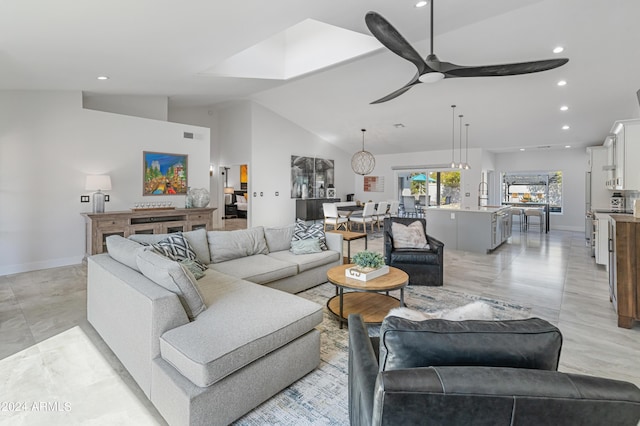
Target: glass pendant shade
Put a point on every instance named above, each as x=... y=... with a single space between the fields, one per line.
x=460 y=165
x=466 y=155
x=363 y=162
x=453 y=136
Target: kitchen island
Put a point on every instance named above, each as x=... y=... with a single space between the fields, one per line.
x=476 y=229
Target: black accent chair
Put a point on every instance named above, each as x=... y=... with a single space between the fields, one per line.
x=439 y=372
x=424 y=266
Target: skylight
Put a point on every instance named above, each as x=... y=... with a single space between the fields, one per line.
x=303 y=48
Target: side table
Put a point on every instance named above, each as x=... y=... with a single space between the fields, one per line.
x=349 y=236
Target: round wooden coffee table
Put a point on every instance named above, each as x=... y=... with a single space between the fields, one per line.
x=366 y=298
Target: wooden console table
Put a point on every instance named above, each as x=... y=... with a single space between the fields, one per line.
x=153 y=221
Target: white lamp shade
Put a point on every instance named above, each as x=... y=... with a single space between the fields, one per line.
x=406 y=192
x=98 y=182
x=229 y=190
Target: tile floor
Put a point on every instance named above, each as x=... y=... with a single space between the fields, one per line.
x=553 y=273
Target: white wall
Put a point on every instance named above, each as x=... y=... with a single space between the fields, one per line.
x=48 y=144
x=572 y=163
x=274 y=141
x=154 y=107
x=206 y=117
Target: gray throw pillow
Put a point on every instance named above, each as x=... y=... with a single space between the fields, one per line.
x=124 y=250
x=302 y=231
x=174 y=277
x=279 y=239
x=229 y=245
x=409 y=236
x=193 y=267
x=306 y=246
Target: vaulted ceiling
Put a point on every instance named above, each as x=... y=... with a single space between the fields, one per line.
x=168 y=48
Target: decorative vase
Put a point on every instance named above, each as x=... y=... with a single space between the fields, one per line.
x=199 y=197
x=188 y=199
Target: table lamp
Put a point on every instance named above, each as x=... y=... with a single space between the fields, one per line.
x=98 y=183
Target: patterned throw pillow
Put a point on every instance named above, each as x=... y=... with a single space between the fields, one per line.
x=176 y=247
x=303 y=231
x=409 y=236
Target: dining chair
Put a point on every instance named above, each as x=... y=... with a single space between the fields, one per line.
x=534 y=212
x=381 y=212
x=331 y=217
x=366 y=217
x=409 y=206
x=394 y=209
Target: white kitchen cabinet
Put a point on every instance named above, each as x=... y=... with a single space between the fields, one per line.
x=623 y=154
x=602 y=239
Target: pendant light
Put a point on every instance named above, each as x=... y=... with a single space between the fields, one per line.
x=453 y=136
x=460 y=165
x=466 y=155
x=363 y=162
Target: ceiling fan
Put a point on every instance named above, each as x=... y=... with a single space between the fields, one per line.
x=431 y=69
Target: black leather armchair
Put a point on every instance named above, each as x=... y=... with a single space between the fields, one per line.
x=424 y=266
x=499 y=373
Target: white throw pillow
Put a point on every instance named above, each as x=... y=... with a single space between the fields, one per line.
x=409 y=236
x=240 y=199
x=473 y=311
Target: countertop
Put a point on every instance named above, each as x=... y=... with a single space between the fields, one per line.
x=473 y=209
x=624 y=218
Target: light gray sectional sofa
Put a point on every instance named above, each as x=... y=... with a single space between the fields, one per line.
x=207 y=351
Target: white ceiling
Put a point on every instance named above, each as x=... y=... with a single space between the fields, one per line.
x=151 y=47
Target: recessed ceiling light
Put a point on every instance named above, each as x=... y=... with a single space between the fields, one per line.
x=562 y=83
x=421 y=3
x=103 y=77
x=565 y=127
x=558 y=49
x=521 y=149
x=567 y=146
x=564 y=108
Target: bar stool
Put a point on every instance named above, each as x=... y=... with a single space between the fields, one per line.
x=516 y=211
x=534 y=212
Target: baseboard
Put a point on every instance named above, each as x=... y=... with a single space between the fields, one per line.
x=35 y=266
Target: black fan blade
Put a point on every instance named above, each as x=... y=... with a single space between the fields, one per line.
x=400 y=91
x=393 y=40
x=452 y=70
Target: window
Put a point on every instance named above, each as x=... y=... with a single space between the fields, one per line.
x=533 y=188
x=436 y=187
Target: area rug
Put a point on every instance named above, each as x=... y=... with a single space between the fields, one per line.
x=320 y=398
x=66 y=380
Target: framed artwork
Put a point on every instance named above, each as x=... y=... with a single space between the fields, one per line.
x=310 y=176
x=374 y=184
x=164 y=173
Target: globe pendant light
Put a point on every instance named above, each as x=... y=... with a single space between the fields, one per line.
x=363 y=162
x=453 y=136
x=466 y=155
x=460 y=165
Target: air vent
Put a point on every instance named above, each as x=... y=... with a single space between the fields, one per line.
x=188 y=135
x=544 y=147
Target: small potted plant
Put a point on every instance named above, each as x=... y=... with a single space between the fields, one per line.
x=369 y=265
x=368 y=261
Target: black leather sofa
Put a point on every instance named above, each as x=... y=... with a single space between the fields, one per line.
x=424 y=266
x=439 y=372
